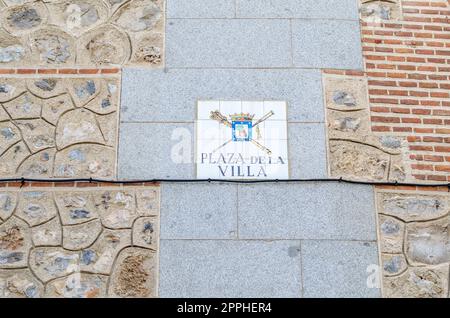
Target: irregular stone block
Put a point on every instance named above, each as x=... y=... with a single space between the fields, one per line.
x=342 y=125
x=83 y=90
x=15 y=243
x=9 y=135
x=39 y=165
x=24 y=18
x=398 y=169
x=77 y=286
x=410 y=207
x=99 y=258
x=19 y=283
x=108 y=126
x=148 y=49
x=357 y=161
x=37 y=134
x=107 y=101
x=47 y=234
x=53 y=262
x=393 y=264
x=146 y=233
x=391 y=234
x=36 y=207
x=75 y=207
x=148 y=201
x=428 y=242
x=380 y=11
x=117 y=209
x=8 y=201
x=138 y=15
x=46 y=87
x=26 y=106
x=55 y=107
x=346 y=94
x=11 y=159
x=78 y=126
x=134 y=274
x=10 y=88
x=85 y=161
x=418 y=282
x=77 y=237
x=52 y=47
x=12 y=50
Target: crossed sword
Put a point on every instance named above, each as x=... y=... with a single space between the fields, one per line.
x=216 y=115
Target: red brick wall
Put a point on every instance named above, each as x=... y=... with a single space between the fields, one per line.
x=408 y=67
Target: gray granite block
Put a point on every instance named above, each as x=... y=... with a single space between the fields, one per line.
x=201 y=8
x=327 y=44
x=145 y=150
x=307 y=151
x=172 y=95
x=308 y=9
x=338 y=269
x=198 y=211
x=228 y=43
x=306 y=211
x=230 y=269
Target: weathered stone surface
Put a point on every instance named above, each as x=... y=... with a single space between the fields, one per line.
x=85 y=161
x=9 y=135
x=413 y=207
x=37 y=134
x=12 y=158
x=379 y=11
x=398 y=169
x=391 y=234
x=39 y=165
x=52 y=47
x=83 y=90
x=106 y=45
x=99 y=258
x=346 y=94
x=393 y=264
x=117 y=209
x=55 y=107
x=10 y=88
x=146 y=232
x=3 y=114
x=36 y=207
x=108 y=126
x=26 y=106
x=24 y=18
x=75 y=207
x=348 y=125
x=12 y=50
x=148 y=201
x=19 y=283
x=418 y=282
x=47 y=234
x=108 y=99
x=138 y=15
x=77 y=237
x=148 y=49
x=428 y=242
x=46 y=87
x=78 y=286
x=8 y=201
x=15 y=243
x=78 y=126
x=134 y=274
x=357 y=161
x=53 y=262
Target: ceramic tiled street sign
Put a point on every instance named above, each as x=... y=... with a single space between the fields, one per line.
x=242 y=140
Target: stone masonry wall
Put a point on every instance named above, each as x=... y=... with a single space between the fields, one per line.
x=79 y=242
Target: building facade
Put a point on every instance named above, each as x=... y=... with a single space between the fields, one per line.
x=171 y=100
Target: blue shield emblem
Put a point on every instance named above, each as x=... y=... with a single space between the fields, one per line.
x=242 y=130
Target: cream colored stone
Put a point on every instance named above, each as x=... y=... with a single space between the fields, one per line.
x=80 y=236
x=146 y=232
x=75 y=207
x=357 y=161
x=346 y=93
x=37 y=134
x=8 y=201
x=106 y=45
x=148 y=201
x=342 y=125
x=418 y=282
x=12 y=158
x=52 y=46
x=99 y=258
x=107 y=101
x=108 y=126
x=13 y=51
x=117 y=209
x=85 y=161
x=47 y=234
x=19 y=283
x=53 y=262
x=3 y=114
x=380 y=11
x=46 y=87
x=22 y=19
x=77 y=286
x=36 y=207
x=78 y=126
x=83 y=90
x=38 y=165
x=9 y=135
x=10 y=88
x=398 y=169
x=391 y=234
x=15 y=243
x=26 y=106
x=427 y=243
x=413 y=207
x=135 y=274
x=393 y=264
x=138 y=15
x=148 y=49
x=55 y=107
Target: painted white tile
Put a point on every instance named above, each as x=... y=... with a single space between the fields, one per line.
x=254 y=108
x=206 y=107
x=230 y=107
x=278 y=107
